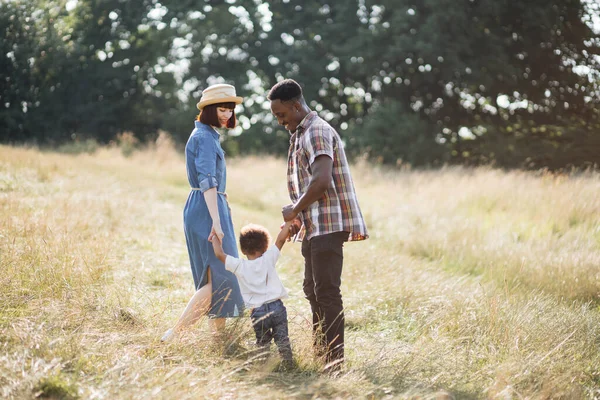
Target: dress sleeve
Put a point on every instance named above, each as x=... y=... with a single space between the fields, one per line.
x=320 y=140
x=206 y=162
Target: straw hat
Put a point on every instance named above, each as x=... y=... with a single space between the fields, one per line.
x=220 y=93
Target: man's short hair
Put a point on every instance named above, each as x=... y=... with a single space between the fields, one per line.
x=286 y=90
x=254 y=239
x=208 y=115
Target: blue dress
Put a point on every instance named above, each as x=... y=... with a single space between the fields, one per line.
x=205 y=164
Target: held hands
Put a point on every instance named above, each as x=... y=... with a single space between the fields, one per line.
x=217 y=232
x=217 y=244
x=286 y=226
x=285 y=234
x=291 y=216
x=292 y=227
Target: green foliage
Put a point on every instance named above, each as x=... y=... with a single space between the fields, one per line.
x=17 y=81
x=391 y=135
x=94 y=70
x=261 y=139
x=56 y=386
x=89 y=146
x=572 y=145
x=231 y=147
x=399 y=79
x=127 y=142
x=444 y=62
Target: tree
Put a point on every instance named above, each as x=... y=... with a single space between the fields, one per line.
x=94 y=71
x=17 y=82
x=422 y=82
x=473 y=64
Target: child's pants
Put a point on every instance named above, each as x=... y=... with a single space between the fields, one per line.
x=270 y=322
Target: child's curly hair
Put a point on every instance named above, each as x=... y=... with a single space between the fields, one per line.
x=254 y=239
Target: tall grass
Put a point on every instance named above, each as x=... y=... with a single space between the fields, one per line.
x=475 y=283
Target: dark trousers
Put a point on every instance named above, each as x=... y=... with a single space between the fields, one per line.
x=323 y=259
x=270 y=323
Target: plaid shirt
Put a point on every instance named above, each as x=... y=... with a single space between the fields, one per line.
x=338 y=209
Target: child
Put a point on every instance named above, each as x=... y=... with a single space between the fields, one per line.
x=260 y=286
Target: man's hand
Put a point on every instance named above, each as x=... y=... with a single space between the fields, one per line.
x=320 y=181
x=292 y=227
x=295 y=227
x=288 y=213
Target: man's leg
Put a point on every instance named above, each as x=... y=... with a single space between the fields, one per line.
x=327 y=260
x=309 y=292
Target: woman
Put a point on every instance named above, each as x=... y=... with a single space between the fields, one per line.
x=207 y=214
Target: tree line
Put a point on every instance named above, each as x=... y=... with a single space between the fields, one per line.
x=427 y=82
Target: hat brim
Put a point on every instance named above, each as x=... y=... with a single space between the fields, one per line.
x=233 y=99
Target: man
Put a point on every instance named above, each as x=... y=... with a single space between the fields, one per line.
x=324 y=200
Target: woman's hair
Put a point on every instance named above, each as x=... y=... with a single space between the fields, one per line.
x=254 y=239
x=208 y=115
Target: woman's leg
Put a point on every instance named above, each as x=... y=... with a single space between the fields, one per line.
x=197 y=307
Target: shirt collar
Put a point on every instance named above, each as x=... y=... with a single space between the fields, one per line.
x=306 y=121
x=303 y=125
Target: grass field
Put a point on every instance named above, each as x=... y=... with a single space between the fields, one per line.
x=475 y=283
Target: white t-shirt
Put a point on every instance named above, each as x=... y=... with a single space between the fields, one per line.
x=258 y=278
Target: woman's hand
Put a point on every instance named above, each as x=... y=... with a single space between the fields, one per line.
x=216 y=231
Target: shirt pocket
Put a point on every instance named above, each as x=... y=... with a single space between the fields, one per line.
x=220 y=160
x=220 y=165
x=302 y=161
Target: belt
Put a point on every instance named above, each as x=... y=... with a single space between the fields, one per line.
x=201 y=189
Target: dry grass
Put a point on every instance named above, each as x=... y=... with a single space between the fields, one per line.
x=476 y=283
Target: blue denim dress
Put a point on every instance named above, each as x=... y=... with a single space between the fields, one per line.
x=205 y=164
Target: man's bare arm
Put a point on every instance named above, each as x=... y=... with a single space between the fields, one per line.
x=322 y=170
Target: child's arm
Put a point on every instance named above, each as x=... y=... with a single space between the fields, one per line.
x=284 y=233
x=218 y=248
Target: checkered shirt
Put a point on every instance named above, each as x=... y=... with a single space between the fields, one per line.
x=337 y=210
